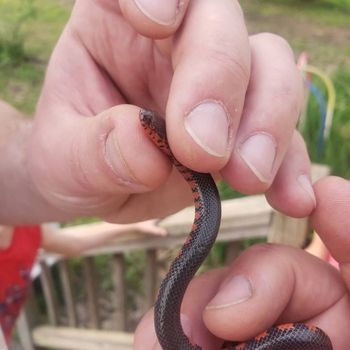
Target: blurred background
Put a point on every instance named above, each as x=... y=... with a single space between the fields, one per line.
x=321 y=29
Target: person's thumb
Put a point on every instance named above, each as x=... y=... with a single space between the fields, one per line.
x=87 y=163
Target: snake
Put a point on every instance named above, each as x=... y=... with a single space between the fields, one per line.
x=205 y=227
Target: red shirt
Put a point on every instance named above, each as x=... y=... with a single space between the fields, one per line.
x=15 y=265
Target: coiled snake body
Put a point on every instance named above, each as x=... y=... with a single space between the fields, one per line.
x=294 y=336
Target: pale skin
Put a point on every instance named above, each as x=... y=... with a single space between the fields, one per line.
x=75 y=242
x=18 y=193
x=197 y=66
x=87 y=153
x=14 y=126
x=271 y=284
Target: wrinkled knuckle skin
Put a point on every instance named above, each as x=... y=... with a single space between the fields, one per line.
x=237 y=67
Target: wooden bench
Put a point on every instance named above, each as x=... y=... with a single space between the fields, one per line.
x=245 y=218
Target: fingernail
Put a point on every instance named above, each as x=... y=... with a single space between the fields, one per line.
x=210 y=127
x=235 y=291
x=160 y=11
x=306 y=185
x=259 y=153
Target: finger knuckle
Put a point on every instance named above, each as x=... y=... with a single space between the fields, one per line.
x=236 y=66
x=267 y=252
x=263 y=248
x=287 y=99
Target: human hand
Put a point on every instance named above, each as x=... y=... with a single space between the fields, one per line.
x=231 y=104
x=271 y=284
x=149 y=227
x=266 y=285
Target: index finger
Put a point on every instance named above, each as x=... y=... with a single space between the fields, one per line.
x=211 y=60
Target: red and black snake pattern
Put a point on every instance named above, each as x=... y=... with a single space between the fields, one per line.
x=293 y=336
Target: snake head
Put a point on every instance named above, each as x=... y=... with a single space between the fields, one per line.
x=150 y=120
x=154 y=125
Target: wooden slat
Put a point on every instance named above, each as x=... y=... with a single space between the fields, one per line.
x=319 y=171
x=91 y=292
x=233 y=250
x=68 y=296
x=28 y=318
x=287 y=230
x=3 y=345
x=49 y=293
x=63 y=338
x=31 y=307
x=150 y=278
x=118 y=278
x=242 y=218
x=24 y=332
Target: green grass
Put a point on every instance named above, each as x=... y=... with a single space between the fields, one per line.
x=337 y=147
x=21 y=85
x=29 y=30
x=318 y=27
x=326 y=12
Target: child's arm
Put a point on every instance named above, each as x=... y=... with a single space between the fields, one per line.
x=75 y=241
